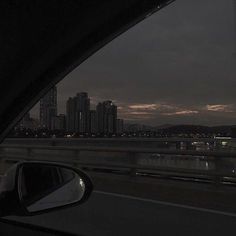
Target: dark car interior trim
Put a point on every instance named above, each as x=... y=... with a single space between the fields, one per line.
x=36 y=228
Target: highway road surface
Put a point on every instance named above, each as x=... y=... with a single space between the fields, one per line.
x=116 y=214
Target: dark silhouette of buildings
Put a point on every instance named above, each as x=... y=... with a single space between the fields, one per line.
x=100 y=118
x=80 y=119
x=93 y=122
x=70 y=114
x=78 y=113
x=107 y=117
x=59 y=122
x=28 y=122
x=82 y=113
x=48 y=108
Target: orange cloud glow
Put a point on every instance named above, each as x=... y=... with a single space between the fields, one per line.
x=219 y=108
x=144 y=107
x=186 y=112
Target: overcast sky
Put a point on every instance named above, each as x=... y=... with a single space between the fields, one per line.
x=176 y=67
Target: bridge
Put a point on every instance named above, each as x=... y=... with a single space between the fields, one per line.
x=131 y=156
x=145 y=179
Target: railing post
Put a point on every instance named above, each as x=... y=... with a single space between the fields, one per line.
x=76 y=156
x=217 y=176
x=53 y=143
x=133 y=163
x=29 y=152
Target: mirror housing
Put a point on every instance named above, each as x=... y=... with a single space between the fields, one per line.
x=31 y=188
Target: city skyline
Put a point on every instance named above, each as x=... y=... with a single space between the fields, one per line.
x=137 y=109
x=79 y=117
x=103 y=121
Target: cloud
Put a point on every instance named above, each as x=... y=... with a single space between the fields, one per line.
x=219 y=108
x=185 y=112
x=137 y=115
x=151 y=107
x=140 y=113
x=157 y=109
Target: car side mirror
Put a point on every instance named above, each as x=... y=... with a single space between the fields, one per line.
x=31 y=188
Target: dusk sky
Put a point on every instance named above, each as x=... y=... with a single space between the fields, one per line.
x=176 y=67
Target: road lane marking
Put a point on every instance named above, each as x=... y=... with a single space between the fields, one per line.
x=167 y=203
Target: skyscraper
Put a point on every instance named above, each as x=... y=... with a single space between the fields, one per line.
x=93 y=122
x=70 y=114
x=48 y=108
x=107 y=116
x=100 y=118
x=80 y=119
x=78 y=112
x=82 y=113
x=58 y=122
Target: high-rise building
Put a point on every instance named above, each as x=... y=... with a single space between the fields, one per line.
x=48 y=108
x=59 y=122
x=82 y=113
x=107 y=116
x=93 y=122
x=100 y=117
x=70 y=114
x=80 y=119
x=77 y=113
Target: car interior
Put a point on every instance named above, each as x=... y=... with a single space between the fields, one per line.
x=117 y=117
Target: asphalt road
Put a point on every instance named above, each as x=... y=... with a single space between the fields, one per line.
x=114 y=214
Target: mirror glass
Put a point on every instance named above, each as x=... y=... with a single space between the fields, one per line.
x=43 y=186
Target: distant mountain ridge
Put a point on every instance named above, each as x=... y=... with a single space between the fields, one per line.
x=175 y=129
x=198 y=129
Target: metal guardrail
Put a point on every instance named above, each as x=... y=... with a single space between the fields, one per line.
x=123 y=139
x=207 y=153
x=129 y=164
